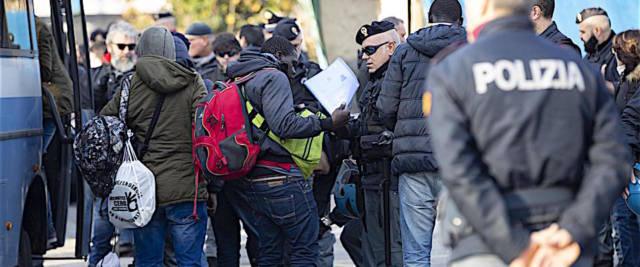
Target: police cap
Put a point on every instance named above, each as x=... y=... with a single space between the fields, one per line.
x=374 y=28
x=590 y=12
x=287 y=28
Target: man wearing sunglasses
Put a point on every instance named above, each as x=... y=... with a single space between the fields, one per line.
x=379 y=40
x=227 y=50
x=121 y=43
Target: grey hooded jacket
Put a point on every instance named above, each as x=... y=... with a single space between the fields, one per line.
x=269 y=92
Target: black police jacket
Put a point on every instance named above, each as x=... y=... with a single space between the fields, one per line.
x=400 y=100
x=305 y=69
x=552 y=33
x=628 y=103
x=603 y=55
x=368 y=124
x=513 y=112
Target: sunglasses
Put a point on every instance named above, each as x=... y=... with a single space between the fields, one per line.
x=370 y=50
x=229 y=53
x=130 y=46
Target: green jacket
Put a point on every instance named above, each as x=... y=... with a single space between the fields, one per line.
x=169 y=155
x=53 y=74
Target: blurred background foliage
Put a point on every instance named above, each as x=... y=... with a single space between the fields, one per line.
x=227 y=15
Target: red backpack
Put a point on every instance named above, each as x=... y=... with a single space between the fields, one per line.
x=222 y=147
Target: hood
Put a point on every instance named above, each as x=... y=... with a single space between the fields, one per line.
x=156 y=41
x=430 y=40
x=634 y=75
x=250 y=62
x=163 y=75
x=182 y=53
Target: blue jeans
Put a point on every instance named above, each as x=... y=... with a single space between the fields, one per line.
x=418 y=200
x=49 y=130
x=626 y=234
x=187 y=232
x=286 y=210
x=102 y=233
x=325 y=257
x=233 y=207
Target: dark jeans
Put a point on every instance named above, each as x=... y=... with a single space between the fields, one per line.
x=233 y=206
x=187 y=232
x=626 y=237
x=286 y=211
x=351 y=240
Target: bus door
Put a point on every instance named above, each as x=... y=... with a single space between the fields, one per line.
x=67 y=22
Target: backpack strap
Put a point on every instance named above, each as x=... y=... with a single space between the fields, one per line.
x=250 y=113
x=125 y=84
x=152 y=126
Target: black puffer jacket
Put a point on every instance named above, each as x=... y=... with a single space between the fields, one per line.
x=400 y=101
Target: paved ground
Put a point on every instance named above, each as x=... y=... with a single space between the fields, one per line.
x=341 y=258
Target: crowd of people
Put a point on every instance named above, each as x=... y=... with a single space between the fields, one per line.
x=521 y=146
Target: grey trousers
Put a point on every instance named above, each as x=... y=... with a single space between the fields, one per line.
x=373 y=233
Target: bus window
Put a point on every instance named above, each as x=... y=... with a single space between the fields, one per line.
x=15 y=31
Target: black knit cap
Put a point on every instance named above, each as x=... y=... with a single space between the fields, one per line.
x=590 y=12
x=368 y=30
x=287 y=28
x=198 y=29
x=445 y=9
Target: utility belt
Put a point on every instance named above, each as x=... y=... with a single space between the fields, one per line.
x=535 y=209
x=375 y=147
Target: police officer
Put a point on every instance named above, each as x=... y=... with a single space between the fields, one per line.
x=305 y=68
x=379 y=41
x=542 y=17
x=528 y=143
x=596 y=33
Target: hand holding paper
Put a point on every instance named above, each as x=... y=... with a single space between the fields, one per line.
x=340 y=116
x=334 y=86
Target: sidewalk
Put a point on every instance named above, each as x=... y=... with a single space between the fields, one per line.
x=341 y=258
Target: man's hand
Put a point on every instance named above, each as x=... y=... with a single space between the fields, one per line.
x=551 y=246
x=625 y=194
x=212 y=203
x=609 y=84
x=340 y=116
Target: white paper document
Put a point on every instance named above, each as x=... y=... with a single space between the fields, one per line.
x=334 y=86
